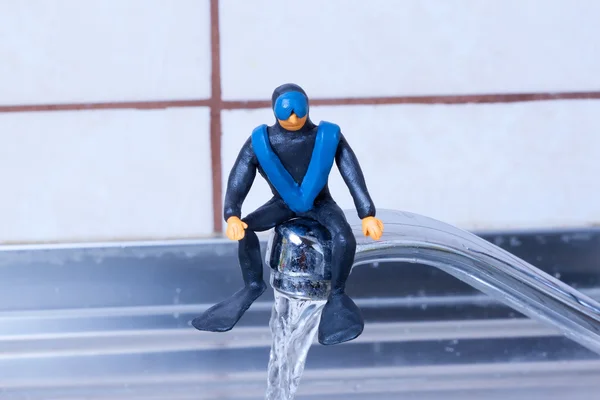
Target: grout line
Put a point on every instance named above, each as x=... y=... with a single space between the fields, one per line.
x=442 y=99
x=219 y=104
x=215 y=116
x=139 y=105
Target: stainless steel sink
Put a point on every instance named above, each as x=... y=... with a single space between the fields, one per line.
x=111 y=321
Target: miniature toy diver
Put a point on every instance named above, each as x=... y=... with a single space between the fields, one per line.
x=295 y=157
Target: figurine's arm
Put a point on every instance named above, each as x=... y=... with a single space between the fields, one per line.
x=355 y=180
x=352 y=174
x=240 y=181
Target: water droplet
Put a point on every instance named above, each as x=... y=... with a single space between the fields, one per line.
x=515 y=242
x=540 y=239
x=377 y=347
x=557 y=275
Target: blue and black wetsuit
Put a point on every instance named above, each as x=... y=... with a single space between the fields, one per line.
x=296 y=166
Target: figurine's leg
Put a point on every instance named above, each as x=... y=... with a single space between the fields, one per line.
x=266 y=217
x=224 y=315
x=341 y=319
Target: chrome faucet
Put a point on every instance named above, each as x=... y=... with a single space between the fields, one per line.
x=298 y=254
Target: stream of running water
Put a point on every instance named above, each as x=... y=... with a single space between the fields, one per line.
x=293 y=325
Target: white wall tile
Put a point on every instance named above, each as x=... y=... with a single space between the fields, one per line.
x=105 y=175
x=411 y=47
x=62 y=51
x=495 y=166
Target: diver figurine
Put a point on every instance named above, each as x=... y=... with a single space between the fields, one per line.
x=295 y=157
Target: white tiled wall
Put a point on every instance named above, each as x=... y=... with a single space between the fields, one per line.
x=130 y=174
x=350 y=48
x=68 y=51
x=104 y=175
x=491 y=166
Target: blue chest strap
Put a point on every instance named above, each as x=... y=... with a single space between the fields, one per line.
x=299 y=198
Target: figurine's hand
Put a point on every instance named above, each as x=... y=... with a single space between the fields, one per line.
x=235 y=228
x=373 y=227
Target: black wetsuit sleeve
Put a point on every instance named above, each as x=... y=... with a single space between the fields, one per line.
x=352 y=174
x=240 y=181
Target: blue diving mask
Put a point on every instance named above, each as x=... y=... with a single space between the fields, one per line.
x=290 y=102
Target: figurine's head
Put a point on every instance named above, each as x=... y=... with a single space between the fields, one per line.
x=290 y=105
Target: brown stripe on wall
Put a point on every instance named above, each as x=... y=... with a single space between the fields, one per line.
x=443 y=99
x=217 y=103
x=139 y=105
x=215 y=115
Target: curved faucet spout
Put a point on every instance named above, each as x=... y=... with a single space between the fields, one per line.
x=299 y=254
x=414 y=238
